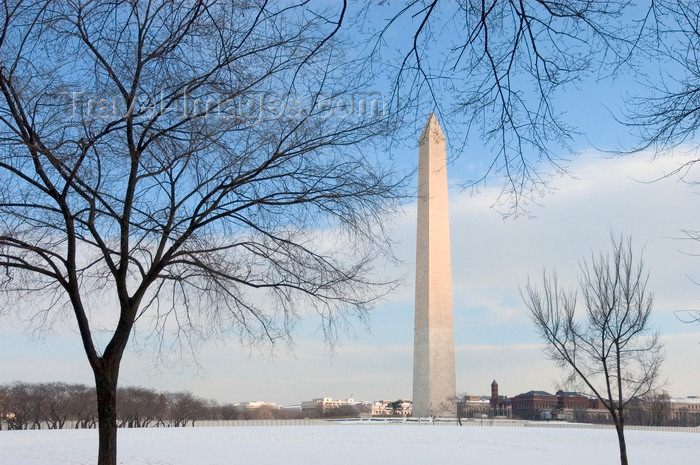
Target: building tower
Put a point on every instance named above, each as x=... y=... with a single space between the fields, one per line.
x=494 y=395
x=434 y=389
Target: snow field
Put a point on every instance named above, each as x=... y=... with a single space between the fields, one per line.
x=352 y=445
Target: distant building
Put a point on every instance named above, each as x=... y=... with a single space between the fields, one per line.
x=382 y=408
x=323 y=405
x=571 y=400
x=379 y=408
x=389 y=408
x=254 y=405
x=402 y=407
x=291 y=408
x=499 y=406
x=473 y=407
x=684 y=411
x=541 y=405
x=532 y=405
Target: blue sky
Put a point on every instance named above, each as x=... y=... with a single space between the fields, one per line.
x=491 y=259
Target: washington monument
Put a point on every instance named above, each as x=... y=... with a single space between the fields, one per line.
x=433 y=351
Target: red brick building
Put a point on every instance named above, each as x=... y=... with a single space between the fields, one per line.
x=571 y=400
x=532 y=405
x=541 y=405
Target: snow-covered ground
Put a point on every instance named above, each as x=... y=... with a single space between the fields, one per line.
x=352 y=445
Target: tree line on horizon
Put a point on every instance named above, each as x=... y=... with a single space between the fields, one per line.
x=51 y=405
x=55 y=405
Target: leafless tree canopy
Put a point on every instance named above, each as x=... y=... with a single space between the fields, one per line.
x=650 y=410
x=667 y=115
x=185 y=171
x=609 y=350
x=498 y=65
x=185 y=207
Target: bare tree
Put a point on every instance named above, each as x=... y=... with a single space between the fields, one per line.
x=19 y=405
x=689 y=316
x=658 y=406
x=498 y=65
x=609 y=351
x=229 y=412
x=341 y=411
x=137 y=407
x=58 y=399
x=3 y=405
x=184 y=407
x=291 y=414
x=264 y=412
x=667 y=115
x=650 y=410
x=180 y=172
x=464 y=407
x=37 y=399
x=38 y=405
x=82 y=406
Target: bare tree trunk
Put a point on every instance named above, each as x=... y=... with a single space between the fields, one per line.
x=619 y=428
x=106 y=386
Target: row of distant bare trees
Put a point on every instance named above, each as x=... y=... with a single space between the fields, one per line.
x=57 y=405
x=53 y=405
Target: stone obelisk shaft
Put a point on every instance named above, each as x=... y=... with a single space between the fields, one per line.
x=433 y=356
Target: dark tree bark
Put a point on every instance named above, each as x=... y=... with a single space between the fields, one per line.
x=622 y=445
x=106 y=389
